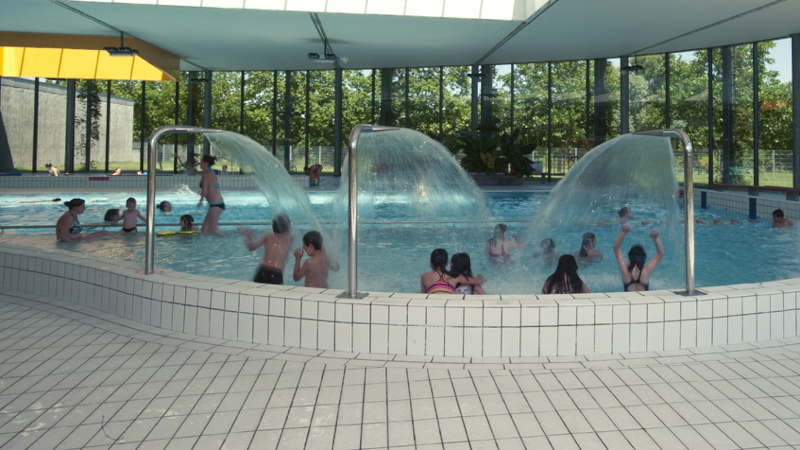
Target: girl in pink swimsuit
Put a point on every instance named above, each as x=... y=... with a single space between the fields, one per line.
x=438 y=280
x=498 y=246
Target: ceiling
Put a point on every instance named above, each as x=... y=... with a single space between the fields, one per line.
x=251 y=39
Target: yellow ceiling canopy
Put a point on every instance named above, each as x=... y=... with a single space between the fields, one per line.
x=35 y=58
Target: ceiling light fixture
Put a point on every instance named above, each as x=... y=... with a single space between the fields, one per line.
x=121 y=50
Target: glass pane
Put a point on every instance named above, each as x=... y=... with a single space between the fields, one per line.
x=648 y=94
x=423 y=98
x=501 y=98
x=569 y=112
x=457 y=100
x=530 y=109
x=742 y=154
x=775 y=113
x=689 y=107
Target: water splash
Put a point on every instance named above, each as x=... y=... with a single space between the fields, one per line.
x=281 y=192
x=405 y=175
x=631 y=170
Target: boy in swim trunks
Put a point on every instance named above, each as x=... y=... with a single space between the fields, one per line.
x=315 y=269
x=129 y=216
x=277 y=244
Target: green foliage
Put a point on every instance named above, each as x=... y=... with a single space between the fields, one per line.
x=478 y=150
x=490 y=151
x=515 y=153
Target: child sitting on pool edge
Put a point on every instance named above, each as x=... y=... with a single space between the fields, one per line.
x=315 y=269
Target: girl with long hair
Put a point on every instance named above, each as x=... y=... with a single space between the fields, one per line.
x=565 y=279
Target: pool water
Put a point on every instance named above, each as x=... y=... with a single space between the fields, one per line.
x=393 y=254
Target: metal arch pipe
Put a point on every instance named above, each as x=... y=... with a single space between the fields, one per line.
x=688 y=196
x=151 y=185
x=352 y=215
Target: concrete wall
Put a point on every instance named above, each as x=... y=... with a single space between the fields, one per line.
x=16 y=127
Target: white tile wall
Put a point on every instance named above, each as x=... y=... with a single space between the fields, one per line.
x=388 y=323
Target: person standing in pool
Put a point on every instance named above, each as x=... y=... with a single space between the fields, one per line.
x=779 y=221
x=498 y=246
x=129 y=216
x=587 y=253
x=636 y=274
x=209 y=190
x=68 y=227
x=315 y=269
x=276 y=249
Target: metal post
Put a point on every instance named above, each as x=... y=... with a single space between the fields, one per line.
x=688 y=196
x=352 y=217
x=151 y=185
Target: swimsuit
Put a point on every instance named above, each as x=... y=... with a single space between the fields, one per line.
x=76 y=226
x=646 y=286
x=441 y=287
x=129 y=230
x=220 y=205
x=269 y=275
x=503 y=254
x=464 y=289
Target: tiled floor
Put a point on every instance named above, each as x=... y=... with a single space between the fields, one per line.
x=72 y=377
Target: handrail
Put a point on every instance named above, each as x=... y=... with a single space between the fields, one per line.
x=151 y=185
x=688 y=197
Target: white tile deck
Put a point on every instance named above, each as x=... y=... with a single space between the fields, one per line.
x=75 y=377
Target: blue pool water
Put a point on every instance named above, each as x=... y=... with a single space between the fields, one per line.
x=392 y=254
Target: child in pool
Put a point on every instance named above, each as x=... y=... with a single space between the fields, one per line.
x=587 y=252
x=130 y=215
x=565 y=279
x=438 y=280
x=547 y=253
x=165 y=206
x=112 y=216
x=498 y=246
x=187 y=223
x=277 y=244
x=460 y=265
x=315 y=269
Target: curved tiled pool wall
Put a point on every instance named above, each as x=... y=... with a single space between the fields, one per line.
x=516 y=326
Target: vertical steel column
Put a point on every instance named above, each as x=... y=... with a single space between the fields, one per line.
x=338 y=113
x=688 y=197
x=69 y=144
x=352 y=221
x=35 y=124
x=625 y=97
x=142 y=126
x=108 y=124
x=288 y=112
x=796 y=110
x=756 y=109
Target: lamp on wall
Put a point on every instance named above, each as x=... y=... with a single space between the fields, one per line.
x=121 y=50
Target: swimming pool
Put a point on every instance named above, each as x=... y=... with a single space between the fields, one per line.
x=392 y=254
